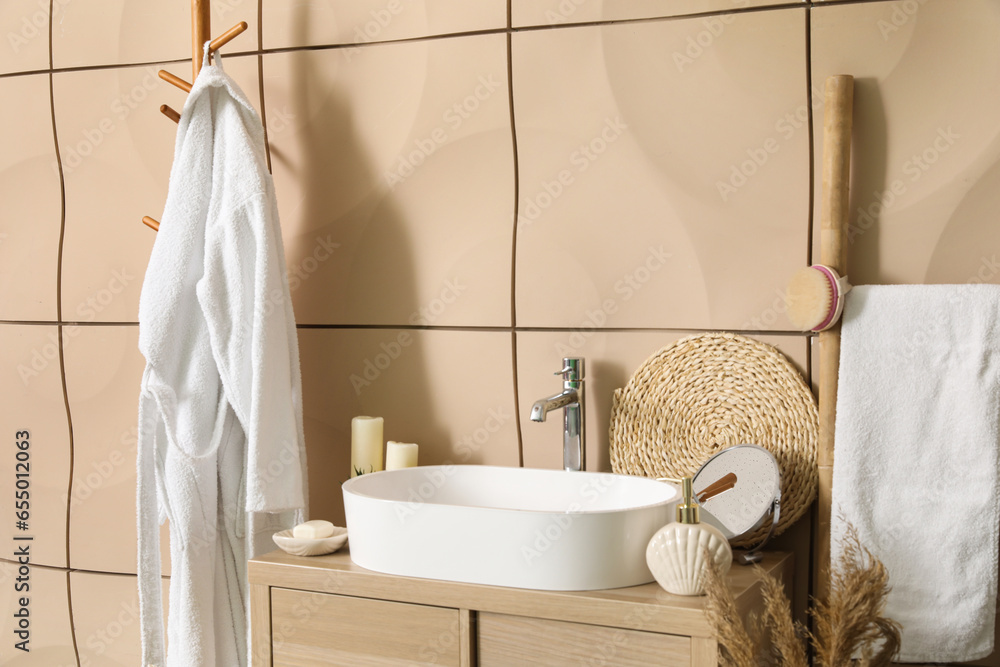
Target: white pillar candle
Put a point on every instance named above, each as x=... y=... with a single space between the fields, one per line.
x=366 y=445
x=400 y=455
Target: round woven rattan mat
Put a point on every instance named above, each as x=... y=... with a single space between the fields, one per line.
x=711 y=391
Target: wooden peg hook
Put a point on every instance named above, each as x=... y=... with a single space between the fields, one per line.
x=228 y=36
x=170 y=113
x=175 y=80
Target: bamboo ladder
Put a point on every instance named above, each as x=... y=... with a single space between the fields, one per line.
x=201 y=32
x=837 y=126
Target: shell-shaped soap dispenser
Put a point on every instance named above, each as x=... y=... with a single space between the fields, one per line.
x=676 y=554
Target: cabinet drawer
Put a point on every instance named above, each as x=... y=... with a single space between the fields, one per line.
x=516 y=641
x=323 y=629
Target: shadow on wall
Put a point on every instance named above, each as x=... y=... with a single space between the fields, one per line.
x=966 y=250
x=607 y=376
x=333 y=160
x=870 y=183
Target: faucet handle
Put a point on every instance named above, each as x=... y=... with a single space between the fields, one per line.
x=572 y=370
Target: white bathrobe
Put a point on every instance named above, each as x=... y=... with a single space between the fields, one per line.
x=220 y=410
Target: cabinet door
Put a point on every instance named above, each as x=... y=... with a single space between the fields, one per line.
x=322 y=629
x=516 y=641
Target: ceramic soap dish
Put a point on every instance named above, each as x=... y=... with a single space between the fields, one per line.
x=299 y=546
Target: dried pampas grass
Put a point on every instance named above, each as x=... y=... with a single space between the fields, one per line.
x=849 y=623
x=786 y=635
x=851 y=620
x=737 y=646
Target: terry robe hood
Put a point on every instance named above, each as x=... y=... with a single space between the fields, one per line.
x=220 y=410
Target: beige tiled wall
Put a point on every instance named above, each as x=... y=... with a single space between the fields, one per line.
x=469 y=191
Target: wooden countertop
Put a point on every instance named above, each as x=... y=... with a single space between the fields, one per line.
x=647 y=607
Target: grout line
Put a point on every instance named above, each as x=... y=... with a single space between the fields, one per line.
x=466 y=327
x=401 y=40
x=680 y=330
x=150 y=63
x=68 y=324
x=116 y=66
x=513 y=242
x=59 y=329
x=81 y=570
x=62 y=181
x=555 y=329
x=517 y=184
x=69 y=494
x=30 y=72
x=810 y=130
x=517 y=401
x=407 y=327
x=59 y=259
x=33 y=565
x=676 y=17
x=30 y=322
x=260 y=81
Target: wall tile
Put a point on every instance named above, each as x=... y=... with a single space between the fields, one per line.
x=51 y=638
x=117 y=149
x=30 y=201
x=106 y=618
x=657 y=192
x=26 y=31
x=451 y=392
x=926 y=164
x=320 y=22
x=32 y=400
x=117 y=32
x=611 y=359
x=103 y=374
x=556 y=12
x=394 y=178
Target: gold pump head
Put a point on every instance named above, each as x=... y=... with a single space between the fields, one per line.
x=688 y=511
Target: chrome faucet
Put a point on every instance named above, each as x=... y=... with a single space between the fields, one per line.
x=570 y=399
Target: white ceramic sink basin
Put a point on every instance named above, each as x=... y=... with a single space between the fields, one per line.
x=519 y=527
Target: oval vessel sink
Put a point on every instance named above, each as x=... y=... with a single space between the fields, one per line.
x=519 y=527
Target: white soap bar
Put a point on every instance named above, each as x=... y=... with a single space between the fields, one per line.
x=313 y=530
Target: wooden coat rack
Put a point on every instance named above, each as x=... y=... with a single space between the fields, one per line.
x=201 y=32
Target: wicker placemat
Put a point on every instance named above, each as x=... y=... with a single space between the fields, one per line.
x=711 y=391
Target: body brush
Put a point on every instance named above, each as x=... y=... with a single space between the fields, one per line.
x=816 y=298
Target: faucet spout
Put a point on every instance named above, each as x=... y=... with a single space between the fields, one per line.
x=546 y=405
x=570 y=399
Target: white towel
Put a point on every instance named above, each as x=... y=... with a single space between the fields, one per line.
x=916 y=457
x=220 y=412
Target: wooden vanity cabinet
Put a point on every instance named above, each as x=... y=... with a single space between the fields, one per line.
x=326 y=610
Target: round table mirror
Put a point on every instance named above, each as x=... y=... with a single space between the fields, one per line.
x=738 y=489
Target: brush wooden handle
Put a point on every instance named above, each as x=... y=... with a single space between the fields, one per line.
x=835 y=202
x=837 y=126
x=717 y=487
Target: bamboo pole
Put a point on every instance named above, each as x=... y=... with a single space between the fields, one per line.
x=837 y=125
x=201 y=32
